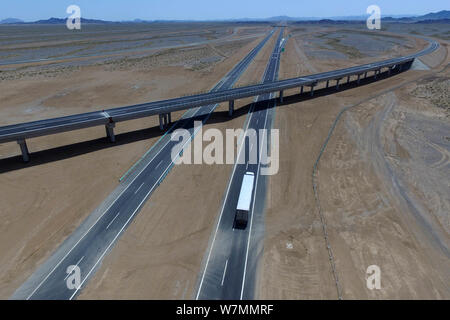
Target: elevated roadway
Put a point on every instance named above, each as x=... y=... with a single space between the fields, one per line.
x=163 y=109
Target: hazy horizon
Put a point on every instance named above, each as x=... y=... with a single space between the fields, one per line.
x=201 y=10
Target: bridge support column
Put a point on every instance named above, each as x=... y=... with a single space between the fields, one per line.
x=281 y=96
x=110 y=131
x=337 y=84
x=328 y=82
x=389 y=71
x=400 y=67
x=230 y=107
x=301 y=90
x=375 y=75
x=312 y=90
x=23 y=147
x=365 y=74
x=359 y=78
x=169 y=117
x=161 y=122
x=348 y=79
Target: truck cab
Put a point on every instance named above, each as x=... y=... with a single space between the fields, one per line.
x=240 y=219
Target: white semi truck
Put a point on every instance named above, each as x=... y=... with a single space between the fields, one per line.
x=244 y=201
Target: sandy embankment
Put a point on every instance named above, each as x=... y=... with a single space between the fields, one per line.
x=43 y=202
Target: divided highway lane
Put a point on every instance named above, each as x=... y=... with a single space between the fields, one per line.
x=231 y=261
x=88 y=245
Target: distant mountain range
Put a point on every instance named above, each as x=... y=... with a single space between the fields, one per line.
x=443 y=16
x=50 y=21
x=10 y=20
x=63 y=21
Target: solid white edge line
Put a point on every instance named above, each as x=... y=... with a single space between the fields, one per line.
x=224 y=272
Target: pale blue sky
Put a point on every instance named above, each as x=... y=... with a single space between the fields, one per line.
x=29 y=10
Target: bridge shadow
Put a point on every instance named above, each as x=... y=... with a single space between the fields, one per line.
x=85 y=147
x=222 y=116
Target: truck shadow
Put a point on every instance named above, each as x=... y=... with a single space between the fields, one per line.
x=85 y=147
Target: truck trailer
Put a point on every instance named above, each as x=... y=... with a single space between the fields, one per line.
x=244 y=201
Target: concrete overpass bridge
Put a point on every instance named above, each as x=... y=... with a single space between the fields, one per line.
x=164 y=108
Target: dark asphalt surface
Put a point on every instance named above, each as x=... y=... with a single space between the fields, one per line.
x=87 y=247
x=232 y=257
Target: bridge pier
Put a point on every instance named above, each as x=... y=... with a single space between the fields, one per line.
x=161 y=121
x=109 y=127
x=375 y=75
x=301 y=90
x=281 y=96
x=312 y=89
x=164 y=120
x=337 y=84
x=389 y=71
x=359 y=78
x=23 y=147
x=328 y=82
x=348 y=79
x=230 y=107
x=365 y=74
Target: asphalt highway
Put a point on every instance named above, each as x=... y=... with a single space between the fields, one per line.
x=95 y=237
x=231 y=261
